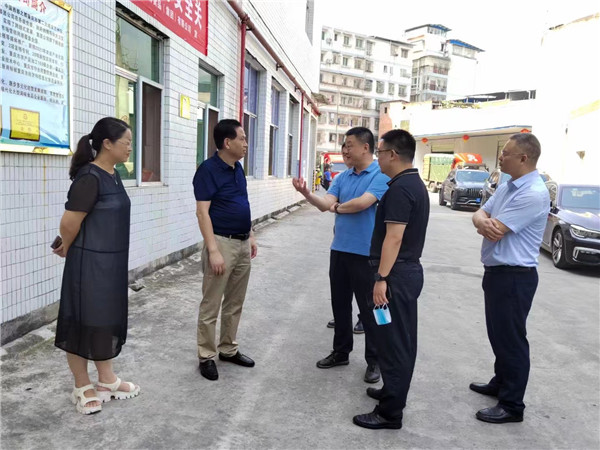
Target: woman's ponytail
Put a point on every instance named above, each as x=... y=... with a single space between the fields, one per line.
x=83 y=155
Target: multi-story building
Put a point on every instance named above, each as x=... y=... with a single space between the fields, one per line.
x=358 y=73
x=171 y=70
x=442 y=68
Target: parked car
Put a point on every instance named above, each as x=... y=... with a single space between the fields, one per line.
x=572 y=233
x=495 y=179
x=462 y=187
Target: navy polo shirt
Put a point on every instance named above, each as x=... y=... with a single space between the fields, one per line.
x=225 y=187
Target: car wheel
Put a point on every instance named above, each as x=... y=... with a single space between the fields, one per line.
x=442 y=201
x=558 y=249
x=454 y=200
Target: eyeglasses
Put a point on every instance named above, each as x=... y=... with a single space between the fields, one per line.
x=125 y=143
x=377 y=152
x=504 y=154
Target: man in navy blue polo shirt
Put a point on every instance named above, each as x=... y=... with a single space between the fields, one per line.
x=512 y=223
x=223 y=213
x=352 y=197
x=396 y=247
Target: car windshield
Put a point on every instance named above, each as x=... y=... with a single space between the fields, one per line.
x=338 y=167
x=580 y=197
x=471 y=175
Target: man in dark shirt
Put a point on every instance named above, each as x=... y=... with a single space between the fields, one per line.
x=396 y=246
x=223 y=214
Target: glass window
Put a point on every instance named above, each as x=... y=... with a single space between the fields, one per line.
x=136 y=51
x=274 y=131
x=250 y=115
x=125 y=110
x=138 y=99
x=404 y=53
x=208 y=85
x=290 y=142
x=380 y=87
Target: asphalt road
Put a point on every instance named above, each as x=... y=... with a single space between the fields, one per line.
x=285 y=402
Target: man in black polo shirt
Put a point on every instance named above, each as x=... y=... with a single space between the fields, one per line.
x=223 y=214
x=397 y=243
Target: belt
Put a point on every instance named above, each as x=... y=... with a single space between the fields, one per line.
x=375 y=262
x=239 y=236
x=506 y=268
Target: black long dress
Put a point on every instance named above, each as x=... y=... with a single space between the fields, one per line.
x=92 y=318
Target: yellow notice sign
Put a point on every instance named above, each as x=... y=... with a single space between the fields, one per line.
x=24 y=124
x=185 y=107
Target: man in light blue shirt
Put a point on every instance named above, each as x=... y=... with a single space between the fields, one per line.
x=512 y=223
x=353 y=197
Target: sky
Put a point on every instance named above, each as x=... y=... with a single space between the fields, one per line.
x=509 y=31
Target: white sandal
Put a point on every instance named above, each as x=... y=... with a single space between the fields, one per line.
x=80 y=401
x=107 y=396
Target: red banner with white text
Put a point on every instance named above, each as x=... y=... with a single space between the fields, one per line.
x=188 y=19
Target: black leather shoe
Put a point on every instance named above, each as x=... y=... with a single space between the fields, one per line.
x=334 y=359
x=238 y=358
x=372 y=375
x=208 y=369
x=331 y=324
x=497 y=414
x=374 y=393
x=358 y=328
x=375 y=421
x=484 y=388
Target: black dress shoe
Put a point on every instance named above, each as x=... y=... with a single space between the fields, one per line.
x=374 y=393
x=375 y=421
x=485 y=389
x=334 y=359
x=358 y=328
x=372 y=375
x=497 y=414
x=208 y=369
x=238 y=358
x=331 y=324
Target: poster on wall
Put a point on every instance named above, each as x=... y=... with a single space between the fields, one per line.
x=34 y=106
x=188 y=19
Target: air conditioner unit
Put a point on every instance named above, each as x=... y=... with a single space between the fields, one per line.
x=328 y=61
x=328 y=40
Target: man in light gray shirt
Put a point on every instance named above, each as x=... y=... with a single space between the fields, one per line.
x=512 y=223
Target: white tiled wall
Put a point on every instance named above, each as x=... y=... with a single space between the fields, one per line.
x=34 y=187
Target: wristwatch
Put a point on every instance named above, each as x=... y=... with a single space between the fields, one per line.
x=337 y=205
x=379 y=277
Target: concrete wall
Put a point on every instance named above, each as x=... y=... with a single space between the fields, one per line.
x=163 y=222
x=569 y=120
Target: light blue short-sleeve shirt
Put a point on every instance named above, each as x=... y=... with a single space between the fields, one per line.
x=523 y=206
x=353 y=231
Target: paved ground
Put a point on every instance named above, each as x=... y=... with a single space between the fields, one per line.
x=285 y=402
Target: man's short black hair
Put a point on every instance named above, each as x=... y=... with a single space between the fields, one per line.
x=402 y=142
x=528 y=144
x=364 y=135
x=225 y=129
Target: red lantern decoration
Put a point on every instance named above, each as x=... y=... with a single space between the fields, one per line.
x=465 y=137
x=525 y=130
x=424 y=140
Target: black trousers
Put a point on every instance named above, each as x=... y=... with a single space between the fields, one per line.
x=397 y=340
x=508 y=298
x=350 y=274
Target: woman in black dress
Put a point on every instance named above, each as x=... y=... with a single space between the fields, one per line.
x=92 y=319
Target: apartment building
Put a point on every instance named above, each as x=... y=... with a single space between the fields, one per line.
x=358 y=73
x=442 y=68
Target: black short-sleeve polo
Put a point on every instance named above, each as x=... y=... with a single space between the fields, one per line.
x=407 y=202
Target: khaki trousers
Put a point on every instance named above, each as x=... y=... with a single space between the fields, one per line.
x=223 y=292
